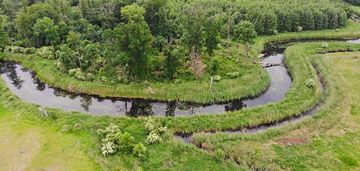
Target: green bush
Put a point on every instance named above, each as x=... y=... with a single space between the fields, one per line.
x=155 y=129
x=13 y=49
x=153 y=138
x=139 y=150
x=217 y=78
x=324 y=45
x=219 y=155
x=113 y=141
x=46 y=52
x=233 y=75
x=126 y=142
x=310 y=83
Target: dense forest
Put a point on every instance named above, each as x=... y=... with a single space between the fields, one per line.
x=120 y=41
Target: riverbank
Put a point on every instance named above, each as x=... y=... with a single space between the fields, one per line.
x=333 y=134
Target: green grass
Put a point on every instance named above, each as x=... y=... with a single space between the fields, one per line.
x=36 y=145
x=328 y=141
x=78 y=146
x=253 y=81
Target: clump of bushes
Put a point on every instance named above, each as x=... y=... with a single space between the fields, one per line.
x=47 y=52
x=155 y=129
x=217 y=78
x=310 y=83
x=114 y=141
x=300 y=29
x=18 y=49
x=77 y=73
x=233 y=75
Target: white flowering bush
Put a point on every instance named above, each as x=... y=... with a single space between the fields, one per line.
x=114 y=141
x=155 y=129
x=108 y=148
x=153 y=138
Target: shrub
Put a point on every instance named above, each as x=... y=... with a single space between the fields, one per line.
x=219 y=155
x=29 y=50
x=153 y=138
x=217 y=78
x=139 y=150
x=233 y=75
x=109 y=139
x=324 y=45
x=113 y=141
x=299 y=29
x=155 y=129
x=214 y=66
x=78 y=74
x=126 y=142
x=13 y=49
x=310 y=83
x=46 y=52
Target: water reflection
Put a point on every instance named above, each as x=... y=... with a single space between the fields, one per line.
x=29 y=88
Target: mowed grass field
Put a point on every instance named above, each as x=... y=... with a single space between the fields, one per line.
x=37 y=145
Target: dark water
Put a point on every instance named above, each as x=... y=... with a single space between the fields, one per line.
x=27 y=87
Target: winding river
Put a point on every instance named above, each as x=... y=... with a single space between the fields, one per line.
x=29 y=88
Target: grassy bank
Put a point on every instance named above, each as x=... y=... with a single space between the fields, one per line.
x=250 y=151
x=298 y=100
x=253 y=81
x=328 y=141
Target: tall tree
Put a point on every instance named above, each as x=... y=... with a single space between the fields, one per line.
x=46 y=32
x=245 y=33
x=3 y=34
x=28 y=17
x=135 y=39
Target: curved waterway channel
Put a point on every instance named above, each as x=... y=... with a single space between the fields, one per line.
x=29 y=88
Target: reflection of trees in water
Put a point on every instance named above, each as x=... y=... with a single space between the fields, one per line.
x=10 y=70
x=86 y=102
x=189 y=107
x=234 y=105
x=39 y=85
x=140 y=108
x=64 y=93
x=170 y=108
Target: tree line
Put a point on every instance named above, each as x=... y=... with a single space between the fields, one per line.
x=125 y=40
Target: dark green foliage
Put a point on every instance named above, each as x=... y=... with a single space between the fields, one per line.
x=26 y=19
x=171 y=63
x=127 y=39
x=246 y=34
x=212 y=34
x=45 y=32
x=3 y=34
x=68 y=57
x=134 y=37
x=214 y=66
